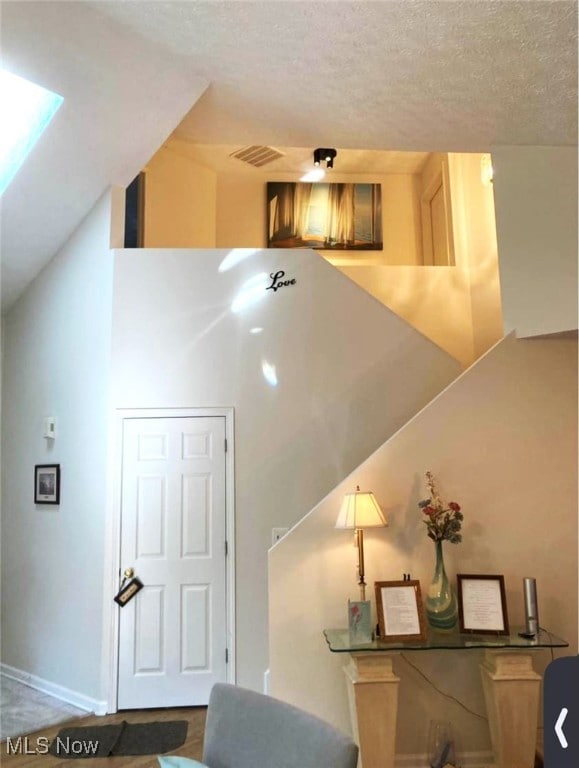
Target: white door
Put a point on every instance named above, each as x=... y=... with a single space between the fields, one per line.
x=172 y=634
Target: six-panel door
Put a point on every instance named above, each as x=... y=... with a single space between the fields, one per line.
x=172 y=638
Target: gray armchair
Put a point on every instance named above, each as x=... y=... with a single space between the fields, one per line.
x=249 y=730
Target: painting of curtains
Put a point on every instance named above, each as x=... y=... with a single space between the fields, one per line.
x=324 y=216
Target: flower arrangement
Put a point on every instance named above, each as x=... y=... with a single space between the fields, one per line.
x=443 y=522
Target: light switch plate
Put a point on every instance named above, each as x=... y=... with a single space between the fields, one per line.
x=50 y=427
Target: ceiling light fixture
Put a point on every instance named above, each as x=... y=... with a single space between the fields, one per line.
x=327 y=155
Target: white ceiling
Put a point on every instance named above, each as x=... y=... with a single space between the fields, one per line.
x=417 y=75
x=300 y=159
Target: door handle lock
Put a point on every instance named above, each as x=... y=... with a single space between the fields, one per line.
x=130 y=585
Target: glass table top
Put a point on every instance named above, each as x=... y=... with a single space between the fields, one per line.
x=339 y=641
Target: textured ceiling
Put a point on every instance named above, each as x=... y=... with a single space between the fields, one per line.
x=415 y=75
x=300 y=159
x=412 y=75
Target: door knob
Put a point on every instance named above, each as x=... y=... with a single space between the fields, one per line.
x=128 y=573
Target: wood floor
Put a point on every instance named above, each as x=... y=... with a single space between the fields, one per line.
x=22 y=754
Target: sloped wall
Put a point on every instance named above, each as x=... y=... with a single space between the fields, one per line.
x=349 y=373
x=502 y=441
x=435 y=300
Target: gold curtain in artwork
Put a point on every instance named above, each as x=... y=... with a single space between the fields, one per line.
x=301 y=212
x=289 y=210
x=340 y=215
x=324 y=216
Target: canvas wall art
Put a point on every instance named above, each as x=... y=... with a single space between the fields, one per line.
x=324 y=216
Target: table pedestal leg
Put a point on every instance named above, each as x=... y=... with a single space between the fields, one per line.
x=511 y=689
x=373 y=699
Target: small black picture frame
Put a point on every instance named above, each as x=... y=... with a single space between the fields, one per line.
x=47 y=484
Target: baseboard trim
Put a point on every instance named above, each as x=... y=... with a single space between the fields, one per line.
x=53 y=689
x=465 y=759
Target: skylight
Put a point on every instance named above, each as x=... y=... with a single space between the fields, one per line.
x=26 y=111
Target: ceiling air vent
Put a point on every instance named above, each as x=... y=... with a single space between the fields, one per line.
x=257 y=156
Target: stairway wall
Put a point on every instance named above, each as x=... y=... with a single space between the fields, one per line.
x=458 y=307
x=348 y=373
x=502 y=441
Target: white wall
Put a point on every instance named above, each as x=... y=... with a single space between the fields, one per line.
x=536 y=202
x=502 y=441
x=57 y=363
x=350 y=373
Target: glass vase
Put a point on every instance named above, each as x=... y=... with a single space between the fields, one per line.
x=441 y=748
x=440 y=604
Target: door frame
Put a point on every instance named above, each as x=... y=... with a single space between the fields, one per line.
x=111 y=624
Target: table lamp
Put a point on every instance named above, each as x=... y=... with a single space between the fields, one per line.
x=360 y=510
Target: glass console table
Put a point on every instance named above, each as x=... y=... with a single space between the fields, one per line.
x=339 y=642
x=510 y=684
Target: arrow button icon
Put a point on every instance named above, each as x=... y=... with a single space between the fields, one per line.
x=561 y=713
x=559 y=727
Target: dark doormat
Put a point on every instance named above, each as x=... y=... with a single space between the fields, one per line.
x=122 y=739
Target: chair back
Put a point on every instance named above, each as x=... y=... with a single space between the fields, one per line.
x=245 y=729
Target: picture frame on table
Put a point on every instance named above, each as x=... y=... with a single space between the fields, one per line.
x=360 y=621
x=47 y=484
x=482 y=604
x=400 y=611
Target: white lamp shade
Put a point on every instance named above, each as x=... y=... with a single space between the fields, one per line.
x=360 y=510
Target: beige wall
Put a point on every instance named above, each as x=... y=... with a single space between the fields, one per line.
x=179 y=200
x=434 y=300
x=536 y=199
x=190 y=205
x=476 y=251
x=459 y=308
x=241 y=201
x=502 y=441
x=456 y=307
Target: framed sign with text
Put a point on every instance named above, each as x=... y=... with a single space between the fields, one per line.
x=482 y=605
x=400 y=611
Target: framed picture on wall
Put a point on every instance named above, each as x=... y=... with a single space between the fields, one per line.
x=482 y=605
x=324 y=216
x=400 y=611
x=47 y=484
